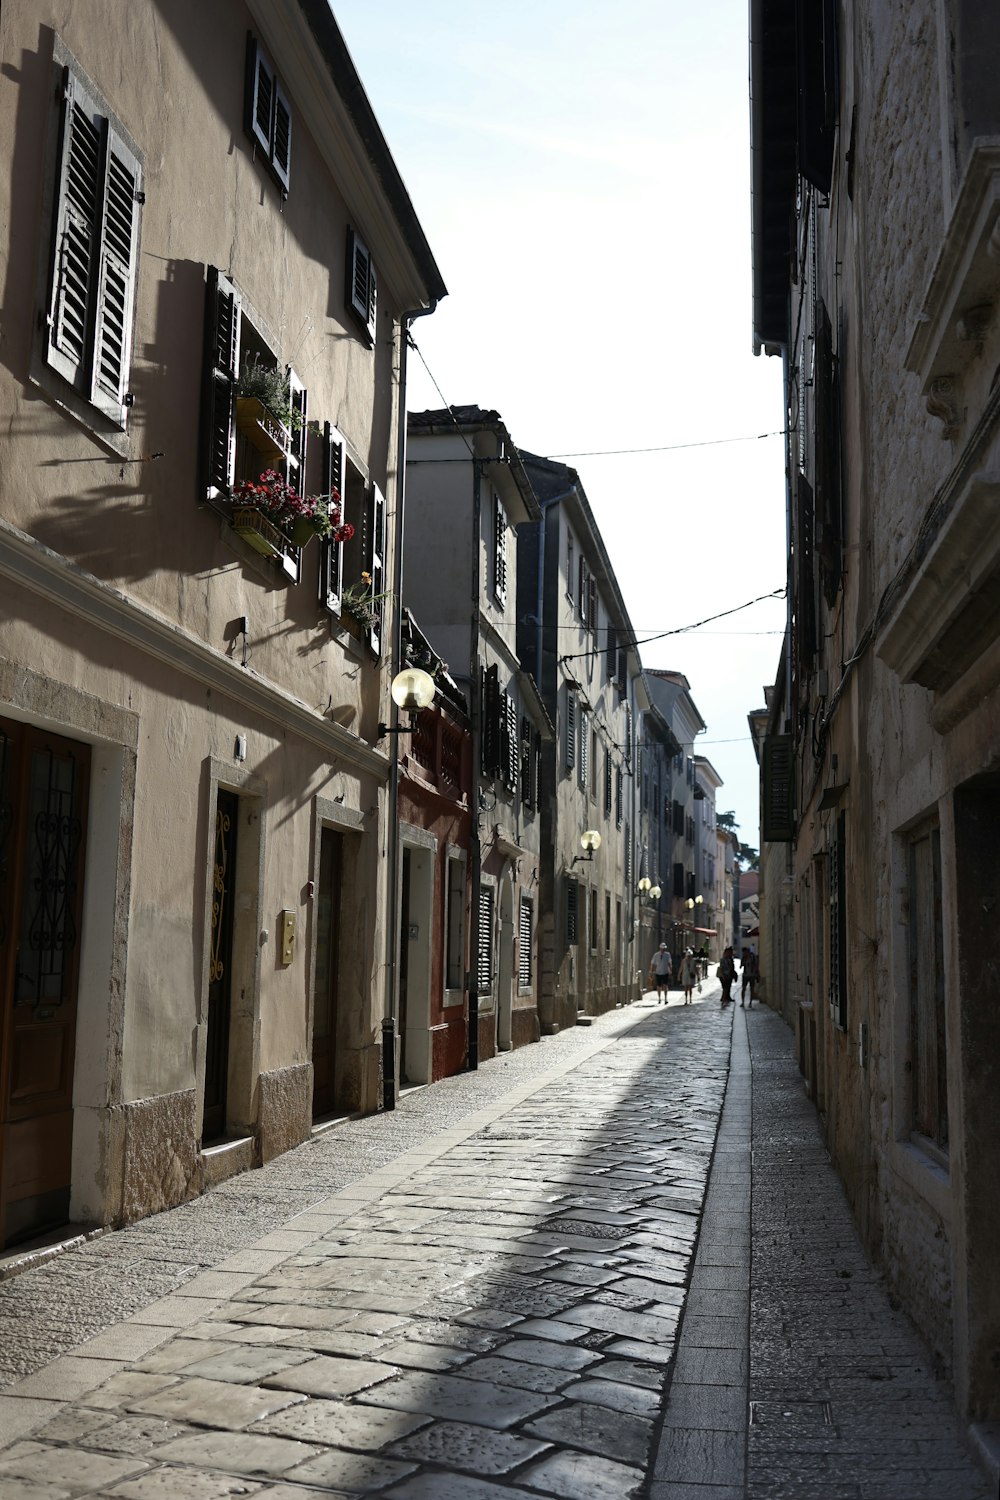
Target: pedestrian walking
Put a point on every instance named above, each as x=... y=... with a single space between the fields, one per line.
x=661 y=969
x=688 y=974
x=748 y=977
x=727 y=975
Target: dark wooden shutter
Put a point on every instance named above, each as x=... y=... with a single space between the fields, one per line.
x=778 y=803
x=622 y=672
x=376 y=565
x=298 y=400
x=592 y=603
x=628 y=734
x=77 y=230
x=331 y=573
x=528 y=790
x=570 y=746
x=679 y=880
x=484 y=957
x=116 y=274
x=612 y=652
x=572 y=910
x=618 y=796
x=829 y=521
x=607 y=783
x=570 y=579
x=524 y=925
x=222 y=363
x=281 y=152
x=581 y=593
x=489 y=733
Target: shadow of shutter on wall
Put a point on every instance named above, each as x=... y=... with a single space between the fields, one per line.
x=331 y=573
x=222 y=363
x=116 y=278
x=778 y=810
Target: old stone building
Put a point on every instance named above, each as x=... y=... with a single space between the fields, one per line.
x=202 y=220
x=876 y=218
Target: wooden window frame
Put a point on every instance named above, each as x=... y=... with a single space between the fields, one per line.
x=268 y=114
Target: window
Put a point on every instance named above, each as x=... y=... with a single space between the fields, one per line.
x=95 y=247
x=524 y=926
x=499 y=551
x=268 y=114
x=455 y=926
x=241 y=438
x=928 y=1049
x=607 y=921
x=607 y=783
x=569 y=566
x=362 y=286
x=618 y=796
x=331 y=572
x=484 y=966
x=592 y=920
x=593 y=765
x=611 y=660
x=570 y=726
x=572 y=910
x=490 y=749
x=530 y=751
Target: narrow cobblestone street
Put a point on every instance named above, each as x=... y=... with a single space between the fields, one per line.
x=496 y=1292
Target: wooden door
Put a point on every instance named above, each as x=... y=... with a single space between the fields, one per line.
x=404 y=962
x=220 y=966
x=44 y=783
x=324 y=1037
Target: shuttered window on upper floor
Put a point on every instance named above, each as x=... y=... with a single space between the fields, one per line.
x=484 y=956
x=95 y=249
x=499 y=551
x=525 y=925
x=268 y=114
x=362 y=283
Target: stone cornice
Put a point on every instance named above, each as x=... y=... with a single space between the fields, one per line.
x=36 y=567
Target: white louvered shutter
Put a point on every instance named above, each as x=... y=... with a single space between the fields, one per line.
x=331 y=573
x=376 y=565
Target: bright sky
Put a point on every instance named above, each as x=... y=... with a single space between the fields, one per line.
x=581 y=172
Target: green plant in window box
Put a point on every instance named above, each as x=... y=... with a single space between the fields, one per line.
x=269 y=385
x=359 y=600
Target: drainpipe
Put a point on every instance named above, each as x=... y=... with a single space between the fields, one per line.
x=476 y=715
x=392 y=935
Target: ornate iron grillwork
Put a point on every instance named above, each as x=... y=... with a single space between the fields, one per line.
x=223 y=824
x=48 y=925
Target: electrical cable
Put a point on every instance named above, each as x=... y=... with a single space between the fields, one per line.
x=752 y=437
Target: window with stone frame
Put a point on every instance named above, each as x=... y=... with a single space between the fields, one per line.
x=927 y=1053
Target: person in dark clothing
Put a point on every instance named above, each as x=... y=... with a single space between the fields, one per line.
x=727 y=975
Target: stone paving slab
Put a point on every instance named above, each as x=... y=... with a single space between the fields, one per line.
x=517 y=1305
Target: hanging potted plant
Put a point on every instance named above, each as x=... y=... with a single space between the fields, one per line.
x=360 y=601
x=268 y=512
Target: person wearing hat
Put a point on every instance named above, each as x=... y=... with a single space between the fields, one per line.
x=689 y=973
x=661 y=968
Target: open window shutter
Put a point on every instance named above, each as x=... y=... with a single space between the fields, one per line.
x=612 y=656
x=584 y=748
x=572 y=909
x=592 y=602
x=511 y=757
x=299 y=402
x=618 y=796
x=628 y=734
x=77 y=227
x=570 y=729
x=489 y=734
x=361 y=285
x=607 y=783
x=281 y=153
x=331 y=577
x=116 y=278
x=778 y=803
x=222 y=364
x=484 y=966
x=524 y=944
x=376 y=565
x=581 y=592
x=260 y=96
x=499 y=550
x=526 y=764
